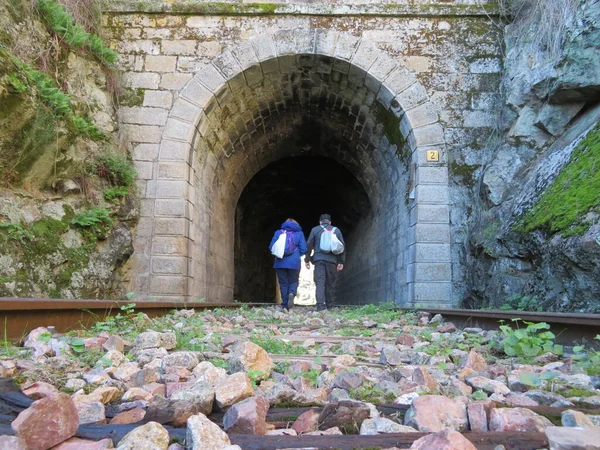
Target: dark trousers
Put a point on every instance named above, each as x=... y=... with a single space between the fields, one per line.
x=288 y=283
x=325 y=273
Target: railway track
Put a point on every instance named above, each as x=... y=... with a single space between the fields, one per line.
x=18 y=316
x=22 y=315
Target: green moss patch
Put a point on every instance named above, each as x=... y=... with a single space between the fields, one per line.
x=571 y=196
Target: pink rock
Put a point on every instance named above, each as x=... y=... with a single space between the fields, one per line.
x=83 y=444
x=405 y=339
x=448 y=327
x=307 y=421
x=247 y=417
x=155 y=389
x=567 y=438
x=431 y=413
x=517 y=419
x=520 y=400
x=8 y=368
x=443 y=440
x=463 y=387
x=94 y=343
x=477 y=417
x=39 y=389
x=171 y=388
x=134 y=415
x=474 y=361
x=11 y=443
x=423 y=378
x=47 y=422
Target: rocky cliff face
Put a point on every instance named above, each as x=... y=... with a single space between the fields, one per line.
x=536 y=232
x=66 y=200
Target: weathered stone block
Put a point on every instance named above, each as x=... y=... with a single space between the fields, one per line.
x=432 y=194
x=264 y=47
x=168 y=285
x=412 y=96
x=173 y=170
x=143 y=170
x=174 y=81
x=210 y=77
x=143 y=115
x=346 y=46
x=429 y=253
x=480 y=119
x=437 y=293
x=171 y=189
x=365 y=55
x=145 y=152
x=284 y=42
x=486 y=65
x=427 y=135
x=432 y=175
x=158 y=99
x=227 y=64
x=399 y=80
x=177 y=130
x=142 y=133
x=245 y=55
x=169 y=245
x=169 y=265
x=432 y=233
x=325 y=42
x=174 y=150
x=419 y=116
x=423 y=213
x=141 y=80
x=432 y=272
x=171 y=208
x=180 y=47
x=156 y=63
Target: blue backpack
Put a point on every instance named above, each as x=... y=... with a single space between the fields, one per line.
x=290 y=245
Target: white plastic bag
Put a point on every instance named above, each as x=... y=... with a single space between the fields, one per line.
x=330 y=243
x=278 y=248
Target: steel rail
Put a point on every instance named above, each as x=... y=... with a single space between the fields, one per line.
x=569 y=328
x=18 y=316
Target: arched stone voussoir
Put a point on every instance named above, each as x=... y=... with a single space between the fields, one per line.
x=284 y=42
x=365 y=55
x=427 y=135
x=325 y=41
x=245 y=55
x=227 y=65
x=305 y=39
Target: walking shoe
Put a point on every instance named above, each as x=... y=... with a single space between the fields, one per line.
x=284 y=309
x=321 y=308
x=291 y=301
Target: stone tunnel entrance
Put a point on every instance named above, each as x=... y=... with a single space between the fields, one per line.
x=300 y=187
x=272 y=133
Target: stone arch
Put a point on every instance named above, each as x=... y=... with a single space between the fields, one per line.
x=190 y=250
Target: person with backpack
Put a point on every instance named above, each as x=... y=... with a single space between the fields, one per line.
x=328 y=258
x=288 y=245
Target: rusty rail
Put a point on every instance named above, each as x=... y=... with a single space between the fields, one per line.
x=18 y=316
x=569 y=328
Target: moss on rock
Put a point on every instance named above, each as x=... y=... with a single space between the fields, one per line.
x=564 y=207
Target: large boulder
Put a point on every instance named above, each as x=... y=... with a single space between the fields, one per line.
x=432 y=413
x=47 y=422
x=348 y=415
x=566 y=438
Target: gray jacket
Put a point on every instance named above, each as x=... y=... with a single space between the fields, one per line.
x=313 y=242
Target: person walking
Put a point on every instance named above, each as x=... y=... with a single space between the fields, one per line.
x=288 y=267
x=327 y=263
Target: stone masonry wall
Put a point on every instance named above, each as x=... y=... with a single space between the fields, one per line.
x=452 y=52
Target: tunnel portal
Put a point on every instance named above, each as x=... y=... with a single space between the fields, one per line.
x=276 y=128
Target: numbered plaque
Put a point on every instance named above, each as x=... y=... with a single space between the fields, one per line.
x=433 y=155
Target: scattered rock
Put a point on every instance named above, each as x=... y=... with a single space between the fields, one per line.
x=345 y=414
x=474 y=361
x=130 y=416
x=247 y=417
x=202 y=434
x=39 y=389
x=114 y=343
x=11 y=443
x=153 y=339
x=488 y=386
x=151 y=436
x=235 y=388
x=478 y=420
x=448 y=327
x=566 y=438
x=517 y=419
x=423 y=378
x=83 y=444
x=572 y=418
x=47 y=422
x=432 y=413
x=187 y=360
x=391 y=355
x=248 y=356
x=307 y=422
x=405 y=339
x=443 y=440
x=90 y=412
x=382 y=425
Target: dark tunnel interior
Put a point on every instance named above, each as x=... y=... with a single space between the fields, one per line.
x=300 y=187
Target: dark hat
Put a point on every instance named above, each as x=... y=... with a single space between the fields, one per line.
x=324 y=217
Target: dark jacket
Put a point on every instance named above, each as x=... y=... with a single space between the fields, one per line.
x=314 y=241
x=291 y=261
